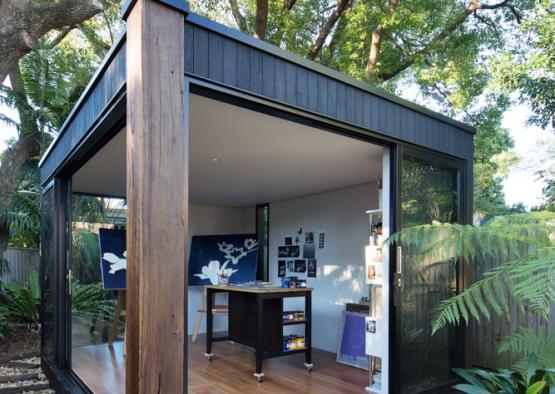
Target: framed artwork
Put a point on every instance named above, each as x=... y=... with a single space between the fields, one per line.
x=113 y=258
x=233 y=255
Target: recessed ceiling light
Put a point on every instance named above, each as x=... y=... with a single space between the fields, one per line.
x=299 y=174
x=216 y=159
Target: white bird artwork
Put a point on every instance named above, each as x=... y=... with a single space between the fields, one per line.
x=116 y=263
x=233 y=253
x=213 y=270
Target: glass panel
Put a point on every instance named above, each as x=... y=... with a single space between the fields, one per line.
x=429 y=193
x=97 y=361
x=47 y=273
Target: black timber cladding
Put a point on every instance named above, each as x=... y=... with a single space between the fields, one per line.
x=228 y=57
x=104 y=86
x=225 y=56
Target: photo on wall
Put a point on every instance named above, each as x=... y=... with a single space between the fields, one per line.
x=371 y=326
x=289 y=251
x=374 y=273
x=309 y=238
x=288 y=241
x=309 y=251
x=321 y=240
x=300 y=266
x=374 y=254
x=311 y=268
x=281 y=269
x=291 y=265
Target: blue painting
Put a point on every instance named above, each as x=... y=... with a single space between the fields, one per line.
x=231 y=255
x=113 y=258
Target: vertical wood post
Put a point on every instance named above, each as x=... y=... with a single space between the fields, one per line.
x=157 y=197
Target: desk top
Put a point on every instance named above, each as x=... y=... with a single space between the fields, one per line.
x=259 y=291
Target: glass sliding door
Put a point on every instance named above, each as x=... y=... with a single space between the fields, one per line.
x=97 y=332
x=47 y=272
x=429 y=192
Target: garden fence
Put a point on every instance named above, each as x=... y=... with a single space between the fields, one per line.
x=21 y=263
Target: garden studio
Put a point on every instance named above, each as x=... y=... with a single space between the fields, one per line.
x=213 y=215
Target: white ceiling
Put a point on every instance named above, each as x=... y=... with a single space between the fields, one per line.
x=240 y=157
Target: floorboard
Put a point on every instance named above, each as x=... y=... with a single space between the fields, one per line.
x=230 y=372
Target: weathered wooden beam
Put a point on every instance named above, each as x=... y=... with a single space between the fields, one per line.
x=157 y=199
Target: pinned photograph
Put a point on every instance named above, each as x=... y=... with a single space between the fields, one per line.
x=291 y=265
x=311 y=268
x=300 y=266
x=288 y=241
x=281 y=268
x=309 y=238
x=308 y=251
x=374 y=254
x=289 y=251
x=371 y=326
x=372 y=272
x=322 y=241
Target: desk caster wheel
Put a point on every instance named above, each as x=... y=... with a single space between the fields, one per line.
x=259 y=377
x=209 y=356
x=308 y=367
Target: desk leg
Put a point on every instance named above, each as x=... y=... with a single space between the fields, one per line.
x=308 y=330
x=259 y=337
x=209 y=323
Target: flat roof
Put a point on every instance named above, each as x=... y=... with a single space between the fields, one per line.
x=218 y=28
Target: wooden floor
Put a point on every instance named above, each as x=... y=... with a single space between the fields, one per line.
x=102 y=369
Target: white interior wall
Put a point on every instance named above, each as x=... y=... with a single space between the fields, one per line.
x=341 y=265
x=215 y=220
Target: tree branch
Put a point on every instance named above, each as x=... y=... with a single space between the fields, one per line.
x=288 y=4
x=25 y=21
x=101 y=47
x=342 y=7
x=239 y=18
x=472 y=7
x=60 y=36
x=261 y=23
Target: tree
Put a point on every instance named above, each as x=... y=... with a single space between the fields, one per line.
x=45 y=78
x=25 y=21
x=532 y=72
x=441 y=47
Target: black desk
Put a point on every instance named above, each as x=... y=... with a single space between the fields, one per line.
x=256 y=320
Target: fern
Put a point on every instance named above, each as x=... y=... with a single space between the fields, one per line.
x=525 y=245
x=525 y=342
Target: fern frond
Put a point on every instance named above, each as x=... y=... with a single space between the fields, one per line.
x=525 y=342
x=530 y=281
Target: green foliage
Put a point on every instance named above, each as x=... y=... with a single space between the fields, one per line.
x=531 y=72
x=23 y=301
x=91 y=302
x=522 y=243
x=526 y=342
x=4 y=323
x=530 y=381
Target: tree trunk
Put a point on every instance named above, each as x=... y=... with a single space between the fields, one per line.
x=261 y=19
x=23 y=22
x=376 y=44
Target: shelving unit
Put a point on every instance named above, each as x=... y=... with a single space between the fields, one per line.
x=256 y=320
x=376 y=277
